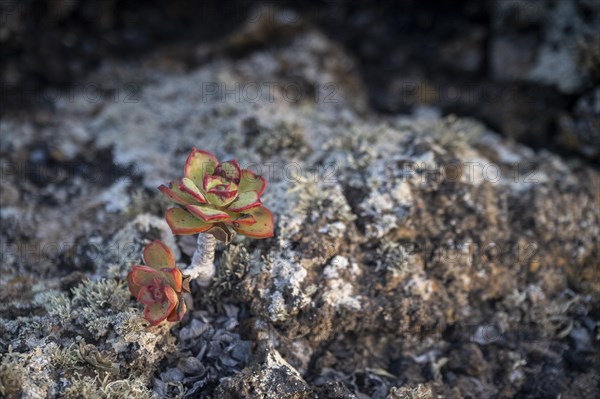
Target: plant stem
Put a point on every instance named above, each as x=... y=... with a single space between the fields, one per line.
x=202 y=267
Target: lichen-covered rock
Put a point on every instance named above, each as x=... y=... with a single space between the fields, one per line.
x=88 y=338
x=403 y=245
x=270 y=377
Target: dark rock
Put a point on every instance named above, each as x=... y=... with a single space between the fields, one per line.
x=467 y=360
x=269 y=377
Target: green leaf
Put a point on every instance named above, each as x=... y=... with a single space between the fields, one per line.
x=251 y=182
x=210 y=181
x=187 y=186
x=208 y=214
x=178 y=196
x=199 y=164
x=182 y=222
x=171 y=195
x=221 y=199
x=219 y=192
x=262 y=228
x=157 y=255
x=243 y=219
x=245 y=201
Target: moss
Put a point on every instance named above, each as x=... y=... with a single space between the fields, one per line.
x=589 y=55
x=96 y=325
x=20 y=327
x=358 y=151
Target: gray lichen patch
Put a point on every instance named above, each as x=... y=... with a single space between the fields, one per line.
x=79 y=344
x=339 y=291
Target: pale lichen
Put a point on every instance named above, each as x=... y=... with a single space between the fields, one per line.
x=56 y=303
x=411 y=392
x=64 y=357
x=324 y=200
x=98 y=387
x=235 y=262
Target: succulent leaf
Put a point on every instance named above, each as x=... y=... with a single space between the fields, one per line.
x=210 y=182
x=219 y=191
x=171 y=195
x=229 y=170
x=179 y=311
x=133 y=288
x=146 y=296
x=189 y=187
x=216 y=195
x=220 y=199
x=173 y=277
x=244 y=201
x=199 y=164
x=262 y=228
x=182 y=222
x=157 y=255
x=175 y=194
x=243 y=219
x=157 y=312
x=252 y=182
x=185 y=286
x=159 y=284
x=143 y=275
x=208 y=214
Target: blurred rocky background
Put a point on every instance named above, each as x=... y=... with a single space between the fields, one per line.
x=433 y=170
x=528 y=69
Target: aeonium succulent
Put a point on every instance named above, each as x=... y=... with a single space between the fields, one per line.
x=217 y=196
x=159 y=284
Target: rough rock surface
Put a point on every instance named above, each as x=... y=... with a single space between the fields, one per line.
x=413 y=257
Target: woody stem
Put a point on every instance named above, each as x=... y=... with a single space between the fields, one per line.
x=202 y=267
